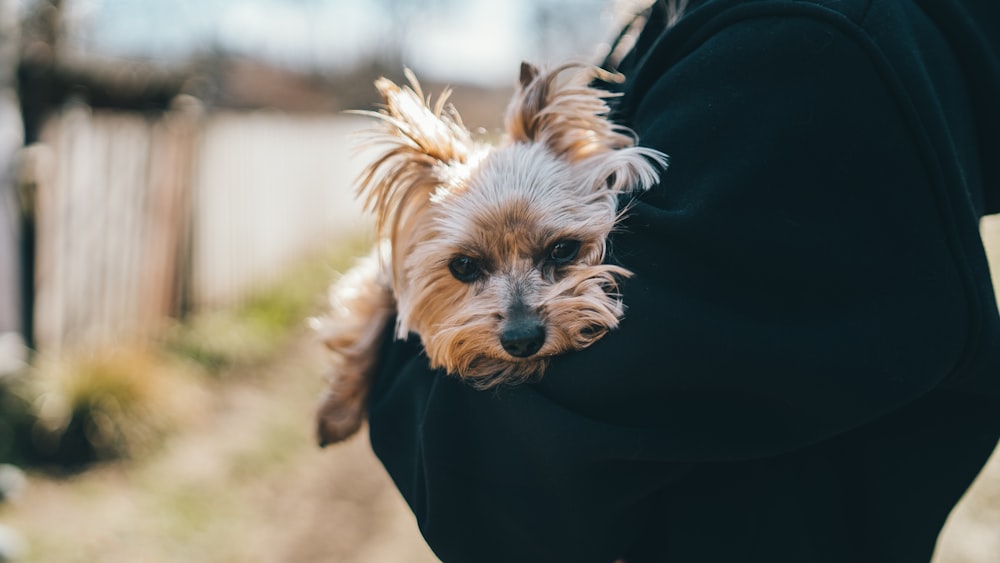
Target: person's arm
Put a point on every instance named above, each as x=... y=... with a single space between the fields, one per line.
x=795 y=278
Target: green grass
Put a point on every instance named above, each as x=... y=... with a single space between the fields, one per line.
x=263 y=325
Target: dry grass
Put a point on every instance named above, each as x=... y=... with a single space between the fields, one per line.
x=119 y=402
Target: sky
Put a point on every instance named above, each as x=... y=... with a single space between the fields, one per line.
x=479 y=41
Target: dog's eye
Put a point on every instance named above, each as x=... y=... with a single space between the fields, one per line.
x=564 y=251
x=465 y=269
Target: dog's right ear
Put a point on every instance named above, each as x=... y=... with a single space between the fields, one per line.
x=419 y=143
x=559 y=109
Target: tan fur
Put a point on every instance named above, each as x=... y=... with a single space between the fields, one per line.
x=437 y=194
x=361 y=305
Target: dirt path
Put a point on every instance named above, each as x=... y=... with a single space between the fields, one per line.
x=243 y=482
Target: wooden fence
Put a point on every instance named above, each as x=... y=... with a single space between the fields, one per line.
x=270 y=188
x=112 y=222
x=133 y=213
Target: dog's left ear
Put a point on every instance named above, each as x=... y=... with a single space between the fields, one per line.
x=560 y=109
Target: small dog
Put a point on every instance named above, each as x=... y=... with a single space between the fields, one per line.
x=493 y=255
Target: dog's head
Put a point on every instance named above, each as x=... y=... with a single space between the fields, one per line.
x=497 y=253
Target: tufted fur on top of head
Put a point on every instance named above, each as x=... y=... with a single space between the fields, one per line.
x=421 y=140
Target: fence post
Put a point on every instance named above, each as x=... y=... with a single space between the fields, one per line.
x=12 y=275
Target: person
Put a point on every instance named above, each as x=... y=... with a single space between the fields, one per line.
x=809 y=365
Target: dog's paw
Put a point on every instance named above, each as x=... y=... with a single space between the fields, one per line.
x=338 y=420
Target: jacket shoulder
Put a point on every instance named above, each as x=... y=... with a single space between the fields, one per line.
x=933 y=53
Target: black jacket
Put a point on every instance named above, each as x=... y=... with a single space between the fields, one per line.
x=809 y=366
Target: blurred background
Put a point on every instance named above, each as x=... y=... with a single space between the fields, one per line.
x=175 y=195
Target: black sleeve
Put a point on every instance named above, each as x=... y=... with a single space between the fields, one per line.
x=794 y=279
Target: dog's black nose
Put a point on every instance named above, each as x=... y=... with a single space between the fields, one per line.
x=523 y=337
